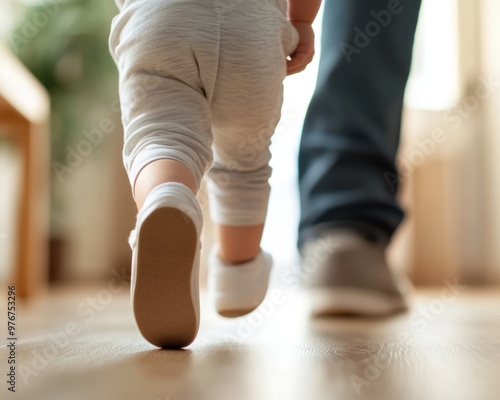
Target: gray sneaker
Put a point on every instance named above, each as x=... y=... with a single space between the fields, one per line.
x=348 y=274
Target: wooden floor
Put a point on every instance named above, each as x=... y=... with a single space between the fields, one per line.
x=81 y=343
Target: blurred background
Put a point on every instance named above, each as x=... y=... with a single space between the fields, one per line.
x=65 y=203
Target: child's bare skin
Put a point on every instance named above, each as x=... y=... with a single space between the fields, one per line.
x=301 y=14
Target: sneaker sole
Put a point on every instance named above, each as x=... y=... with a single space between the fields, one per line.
x=235 y=313
x=352 y=301
x=165 y=296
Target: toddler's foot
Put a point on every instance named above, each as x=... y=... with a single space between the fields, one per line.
x=238 y=289
x=165 y=263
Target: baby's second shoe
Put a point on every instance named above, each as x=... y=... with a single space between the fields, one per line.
x=238 y=289
x=165 y=264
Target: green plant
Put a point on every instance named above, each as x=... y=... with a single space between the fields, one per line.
x=64 y=43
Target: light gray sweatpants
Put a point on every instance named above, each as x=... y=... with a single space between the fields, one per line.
x=201 y=82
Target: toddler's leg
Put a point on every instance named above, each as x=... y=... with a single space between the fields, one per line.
x=166 y=117
x=165 y=111
x=245 y=111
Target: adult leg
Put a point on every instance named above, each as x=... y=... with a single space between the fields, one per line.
x=348 y=150
x=351 y=131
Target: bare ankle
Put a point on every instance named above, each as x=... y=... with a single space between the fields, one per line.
x=158 y=172
x=239 y=244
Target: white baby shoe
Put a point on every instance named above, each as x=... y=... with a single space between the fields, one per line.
x=237 y=289
x=165 y=266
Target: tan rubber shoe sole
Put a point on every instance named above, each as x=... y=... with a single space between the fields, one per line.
x=165 y=296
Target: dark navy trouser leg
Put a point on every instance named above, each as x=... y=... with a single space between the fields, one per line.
x=351 y=131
